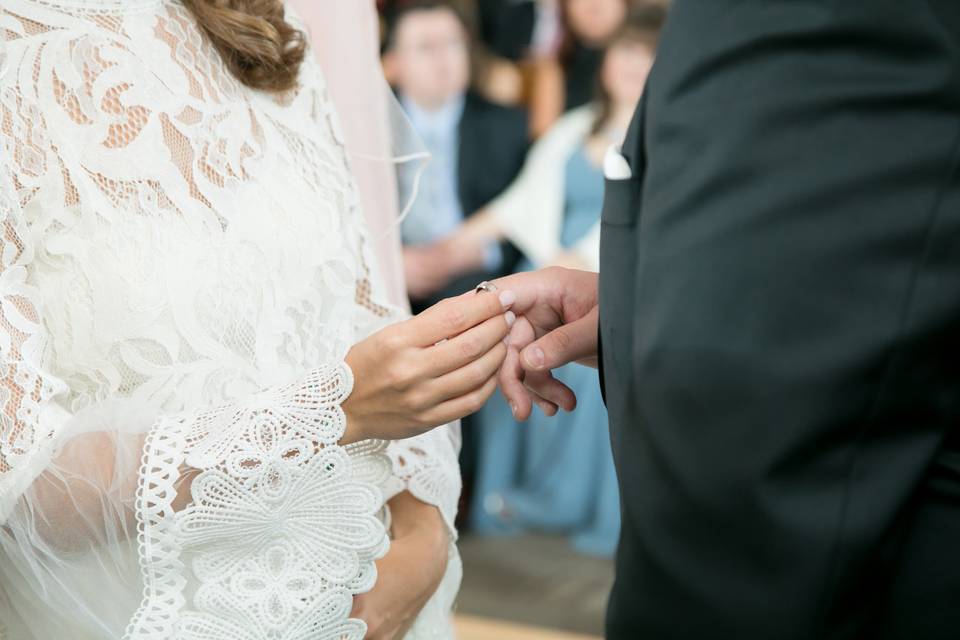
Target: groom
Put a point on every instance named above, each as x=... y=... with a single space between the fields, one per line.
x=779 y=314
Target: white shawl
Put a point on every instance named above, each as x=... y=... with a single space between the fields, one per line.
x=530 y=211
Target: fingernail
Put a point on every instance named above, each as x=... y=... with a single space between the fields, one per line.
x=510 y=317
x=513 y=409
x=535 y=357
x=507 y=298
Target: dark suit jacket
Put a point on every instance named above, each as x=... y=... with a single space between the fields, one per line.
x=780 y=303
x=493 y=145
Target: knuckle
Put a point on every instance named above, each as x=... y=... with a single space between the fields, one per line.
x=476 y=376
x=416 y=400
x=453 y=318
x=492 y=304
x=562 y=339
x=425 y=420
x=470 y=347
x=475 y=401
x=554 y=272
x=433 y=416
x=398 y=377
x=411 y=367
x=393 y=340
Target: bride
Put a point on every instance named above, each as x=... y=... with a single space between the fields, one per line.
x=200 y=368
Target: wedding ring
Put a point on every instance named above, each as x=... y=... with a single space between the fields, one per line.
x=485 y=286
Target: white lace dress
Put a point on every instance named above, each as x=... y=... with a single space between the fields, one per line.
x=184 y=267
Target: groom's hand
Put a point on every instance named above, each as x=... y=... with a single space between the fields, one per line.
x=557 y=323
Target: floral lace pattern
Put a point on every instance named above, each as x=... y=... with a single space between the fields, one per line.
x=191 y=250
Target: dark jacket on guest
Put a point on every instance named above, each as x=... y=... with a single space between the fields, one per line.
x=493 y=145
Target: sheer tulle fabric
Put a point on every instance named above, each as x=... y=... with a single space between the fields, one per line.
x=380 y=141
x=184 y=266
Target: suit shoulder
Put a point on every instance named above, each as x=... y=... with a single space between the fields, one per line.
x=499 y=115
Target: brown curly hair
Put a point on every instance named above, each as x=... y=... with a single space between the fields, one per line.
x=256 y=43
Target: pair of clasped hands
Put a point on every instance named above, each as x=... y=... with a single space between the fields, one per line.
x=446 y=362
x=440 y=366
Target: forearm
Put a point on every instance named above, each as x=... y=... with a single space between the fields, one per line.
x=482 y=227
x=411 y=516
x=411 y=572
x=87 y=494
x=468 y=249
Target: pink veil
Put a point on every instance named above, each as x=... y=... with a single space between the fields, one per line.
x=380 y=141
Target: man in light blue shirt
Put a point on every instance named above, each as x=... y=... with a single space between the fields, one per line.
x=436 y=213
x=476 y=147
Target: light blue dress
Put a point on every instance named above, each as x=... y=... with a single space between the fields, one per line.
x=554 y=474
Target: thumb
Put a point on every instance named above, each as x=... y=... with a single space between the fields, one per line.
x=568 y=343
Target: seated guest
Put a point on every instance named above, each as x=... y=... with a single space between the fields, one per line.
x=550 y=475
x=566 y=80
x=477 y=149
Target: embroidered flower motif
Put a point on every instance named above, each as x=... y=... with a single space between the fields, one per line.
x=310 y=410
x=419 y=463
x=265 y=462
x=324 y=619
x=319 y=513
x=276 y=585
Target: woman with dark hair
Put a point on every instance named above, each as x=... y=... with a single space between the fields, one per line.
x=200 y=364
x=547 y=475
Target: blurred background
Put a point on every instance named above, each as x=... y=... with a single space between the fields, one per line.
x=517 y=101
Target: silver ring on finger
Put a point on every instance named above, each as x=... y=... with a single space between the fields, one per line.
x=485 y=286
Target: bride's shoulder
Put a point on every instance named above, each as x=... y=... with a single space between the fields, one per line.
x=25 y=21
x=52 y=34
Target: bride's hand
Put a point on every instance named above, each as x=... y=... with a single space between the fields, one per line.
x=409 y=574
x=429 y=370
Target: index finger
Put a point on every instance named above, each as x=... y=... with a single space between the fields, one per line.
x=453 y=316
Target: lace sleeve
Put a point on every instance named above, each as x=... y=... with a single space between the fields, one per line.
x=277 y=523
x=274 y=502
x=29 y=417
x=428 y=467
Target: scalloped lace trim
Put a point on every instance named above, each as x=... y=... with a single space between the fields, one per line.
x=282 y=529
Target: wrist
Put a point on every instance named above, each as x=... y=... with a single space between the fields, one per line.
x=353 y=430
x=412 y=517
